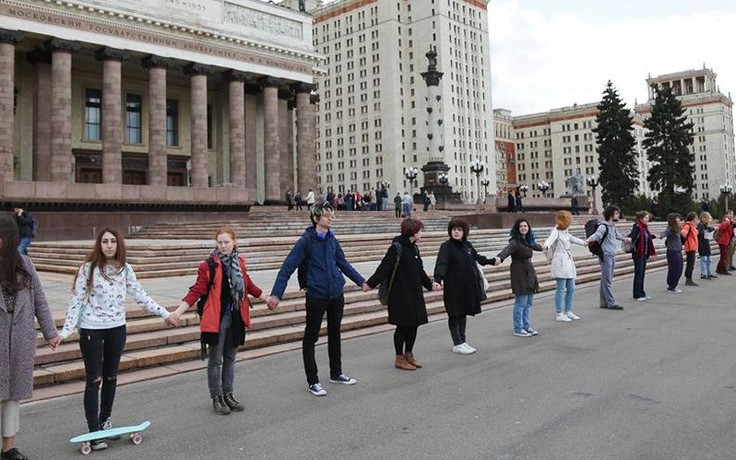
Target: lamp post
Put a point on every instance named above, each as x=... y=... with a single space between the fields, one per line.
x=411 y=173
x=477 y=167
x=523 y=189
x=443 y=178
x=726 y=189
x=593 y=183
x=485 y=182
x=543 y=187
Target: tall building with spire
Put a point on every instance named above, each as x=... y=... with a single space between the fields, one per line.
x=372 y=118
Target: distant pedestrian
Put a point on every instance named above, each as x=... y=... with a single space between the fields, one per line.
x=97 y=309
x=397 y=204
x=407 y=203
x=690 y=242
x=406 y=307
x=432 y=201
x=310 y=199
x=289 y=201
x=705 y=236
x=575 y=205
x=725 y=238
x=463 y=288
x=25 y=229
x=563 y=266
x=524 y=282
x=22 y=303
x=298 y=200
x=511 y=206
x=607 y=235
x=673 y=239
x=642 y=250
x=519 y=202
x=425 y=201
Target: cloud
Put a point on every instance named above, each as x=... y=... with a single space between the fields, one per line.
x=542 y=61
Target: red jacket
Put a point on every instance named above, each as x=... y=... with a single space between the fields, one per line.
x=691 y=236
x=210 y=321
x=726 y=232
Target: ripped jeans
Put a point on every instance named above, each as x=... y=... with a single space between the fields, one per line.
x=101 y=351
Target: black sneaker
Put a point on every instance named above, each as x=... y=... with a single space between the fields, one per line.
x=615 y=307
x=234 y=405
x=218 y=403
x=13 y=454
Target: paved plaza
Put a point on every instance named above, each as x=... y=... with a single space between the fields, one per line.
x=655 y=381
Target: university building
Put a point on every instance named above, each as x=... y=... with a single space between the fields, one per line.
x=165 y=103
x=373 y=110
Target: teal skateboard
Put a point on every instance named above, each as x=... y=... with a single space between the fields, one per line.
x=133 y=431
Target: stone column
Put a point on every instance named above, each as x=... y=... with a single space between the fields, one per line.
x=290 y=159
x=157 y=161
x=61 y=108
x=306 y=150
x=198 y=74
x=271 y=139
x=285 y=155
x=41 y=62
x=8 y=40
x=112 y=106
x=251 y=144
x=236 y=103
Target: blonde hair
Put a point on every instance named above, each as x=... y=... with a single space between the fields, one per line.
x=705 y=217
x=229 y=230
x=564 y=219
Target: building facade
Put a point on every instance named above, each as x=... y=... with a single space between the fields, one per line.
x=712 y=114
x=162 y=102
x=372 y=116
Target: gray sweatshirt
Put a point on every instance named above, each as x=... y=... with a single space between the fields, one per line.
x=608 y=245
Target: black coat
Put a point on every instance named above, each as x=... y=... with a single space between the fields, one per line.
x=405 y=300
x=523 y=276
x=457 y=271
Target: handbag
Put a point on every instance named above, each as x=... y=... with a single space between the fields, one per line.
x=549 y=251
x=385 y=287
x=482 y=283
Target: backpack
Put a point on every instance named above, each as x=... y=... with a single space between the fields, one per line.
x=385 y=287
x=203 y=300
x=591 y=227
x=301 y=272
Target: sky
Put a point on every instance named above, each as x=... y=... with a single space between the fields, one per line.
x=547 y=54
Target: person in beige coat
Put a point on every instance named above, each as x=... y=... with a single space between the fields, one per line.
x=21 y=303
x=563 y=266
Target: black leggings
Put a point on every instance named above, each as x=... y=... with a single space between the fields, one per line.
x=101 y=351
x=690 y=263
x=404 y=339
x=457 y=328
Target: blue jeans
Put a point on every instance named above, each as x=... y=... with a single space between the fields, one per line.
x=406 y=210
x=674 y=268
x=522 y=305
x=565 y=290
x=705 y=268
x=640 y=267
x=221 y=364
x=23 y=244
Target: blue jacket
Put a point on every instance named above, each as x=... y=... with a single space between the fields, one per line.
x=327 y=264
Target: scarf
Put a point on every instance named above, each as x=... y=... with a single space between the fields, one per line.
x=235 y=280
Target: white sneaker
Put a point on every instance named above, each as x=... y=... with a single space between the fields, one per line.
x=461 y=349
x=472 y=350
x=573 y=316
x=641 y=299
x=563 y=318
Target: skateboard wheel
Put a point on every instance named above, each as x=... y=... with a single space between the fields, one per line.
x=136 y=439
x=86 y=449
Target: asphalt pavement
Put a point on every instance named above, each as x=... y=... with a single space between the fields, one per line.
x=655 y=381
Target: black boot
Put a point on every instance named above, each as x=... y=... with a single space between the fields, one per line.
x=218 y=403
x=232 y=403
x=13 y=454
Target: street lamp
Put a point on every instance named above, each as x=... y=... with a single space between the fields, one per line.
x=593 y=183
x=477 y=167
x=443 y=178
x=543 y=187
x=386 y=184
x=485 y=182
x=726 y=189
x=411 y=173
x=523 y=189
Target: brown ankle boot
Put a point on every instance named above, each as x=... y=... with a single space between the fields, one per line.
x=403 y=364
x=410 y=359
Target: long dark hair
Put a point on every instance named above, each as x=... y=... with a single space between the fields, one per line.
x=97 y=258
x=529 y=240
x=11 y=262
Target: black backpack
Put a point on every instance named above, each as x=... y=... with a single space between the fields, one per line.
x=591 y=227
x=203 y=300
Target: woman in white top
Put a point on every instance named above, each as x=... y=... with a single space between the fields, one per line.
x=97 y=310
x=563 y=265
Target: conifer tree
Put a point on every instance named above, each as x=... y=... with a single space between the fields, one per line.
x=617 y=162
x=667 y=139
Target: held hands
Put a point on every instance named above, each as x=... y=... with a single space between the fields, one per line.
x=365 y=287
x=174 y=320
x=272 y=301
x=498 y=261
x=627 y=240
x=436 y=286
x=54 y=343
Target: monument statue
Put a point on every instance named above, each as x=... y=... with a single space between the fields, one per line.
x=574 y=184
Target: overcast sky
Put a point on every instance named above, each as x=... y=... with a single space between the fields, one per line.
x=547 y=54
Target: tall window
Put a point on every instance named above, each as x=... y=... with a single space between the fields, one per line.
x=93 y=115
x=133 y=119
x=172 y=122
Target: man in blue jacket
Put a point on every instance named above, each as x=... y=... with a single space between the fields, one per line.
x=319 y=254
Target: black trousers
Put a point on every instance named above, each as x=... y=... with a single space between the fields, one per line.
x=101 y=351
x=457 y=326
x=689 y=264
x=316 y=309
